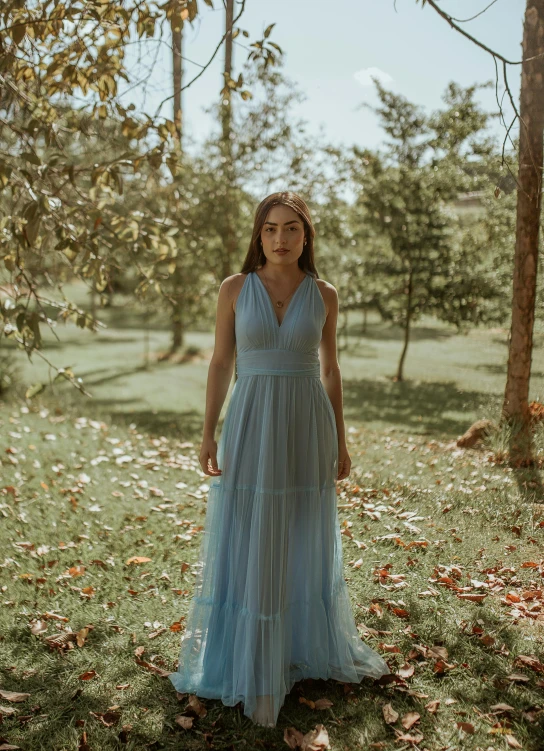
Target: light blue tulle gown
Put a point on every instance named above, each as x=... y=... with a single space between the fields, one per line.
x=271 y=606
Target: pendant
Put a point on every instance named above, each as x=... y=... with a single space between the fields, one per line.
x=279 y=304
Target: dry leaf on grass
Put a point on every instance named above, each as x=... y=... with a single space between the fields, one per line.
x=196 y=706
x=315 y=740
x=408 y=738
x=406 y=670
x=410 y=719
x=13 y=696
x=108 y=719
x=185 y=722
x=512 y=741
x=7 y=711
x=389 y=714
x=88 y=675
x=531 y=662
x=467 y=727
x=153 y=668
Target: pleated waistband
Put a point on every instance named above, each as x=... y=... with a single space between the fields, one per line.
x=283 y=362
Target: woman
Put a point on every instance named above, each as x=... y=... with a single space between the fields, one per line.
x=271 y=605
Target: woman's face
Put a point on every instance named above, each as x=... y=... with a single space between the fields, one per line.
x=283 y=228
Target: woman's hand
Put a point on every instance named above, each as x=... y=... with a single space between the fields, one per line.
x=344 y=462
x=208 y=457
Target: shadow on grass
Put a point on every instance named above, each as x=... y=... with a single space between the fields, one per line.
x=52 y=345
x=499 y=369
x=396 y=334
x=183 y=426
x=413 y=405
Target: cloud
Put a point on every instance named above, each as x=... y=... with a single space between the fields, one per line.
x=364 y=76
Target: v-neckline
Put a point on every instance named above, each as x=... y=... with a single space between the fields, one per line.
x=278 y=324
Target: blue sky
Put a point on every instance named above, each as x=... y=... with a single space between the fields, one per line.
x=331 y=47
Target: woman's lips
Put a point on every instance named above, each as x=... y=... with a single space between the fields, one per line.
x=281 y=252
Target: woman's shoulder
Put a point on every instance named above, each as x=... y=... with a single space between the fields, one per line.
x=232 y=285
x=327 y=289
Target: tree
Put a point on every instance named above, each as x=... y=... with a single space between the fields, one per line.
x=515 y=410
x=62 y=68
x=406 y=195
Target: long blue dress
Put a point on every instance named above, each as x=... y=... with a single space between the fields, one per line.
x=271 y=606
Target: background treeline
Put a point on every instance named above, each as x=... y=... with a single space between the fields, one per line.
x=95 y=189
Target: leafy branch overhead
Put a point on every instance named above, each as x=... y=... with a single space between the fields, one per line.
x=72 y=143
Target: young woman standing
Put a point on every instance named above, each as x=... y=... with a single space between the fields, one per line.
x=271 y=605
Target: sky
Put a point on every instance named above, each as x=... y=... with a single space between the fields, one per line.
x=331 y=49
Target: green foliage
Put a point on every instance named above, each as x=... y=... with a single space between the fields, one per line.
x=433 y=261
x=73 y=156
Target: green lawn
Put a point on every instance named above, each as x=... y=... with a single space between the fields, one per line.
x=450 y=379
x=88 y=484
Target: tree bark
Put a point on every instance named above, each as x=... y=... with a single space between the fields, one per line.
x=400 y=373
x=177 y=73
x=515 y=409
x=229 y=237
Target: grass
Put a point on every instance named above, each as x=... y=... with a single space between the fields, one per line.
x=89 y=484
x=451 y=379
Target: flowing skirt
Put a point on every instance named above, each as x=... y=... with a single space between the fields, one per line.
x=271 y=605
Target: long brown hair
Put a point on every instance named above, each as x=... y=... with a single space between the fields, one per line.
x=255 y=257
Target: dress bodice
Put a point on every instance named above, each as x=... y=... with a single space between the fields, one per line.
x=256 y=324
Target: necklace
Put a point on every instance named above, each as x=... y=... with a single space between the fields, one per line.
x=279 y=303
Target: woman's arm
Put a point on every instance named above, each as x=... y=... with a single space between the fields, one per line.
x=331 y=376
x=219 y=375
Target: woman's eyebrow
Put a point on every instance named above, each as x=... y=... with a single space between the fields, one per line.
x=292 y=221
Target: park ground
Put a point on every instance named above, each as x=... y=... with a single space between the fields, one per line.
x=102 y=508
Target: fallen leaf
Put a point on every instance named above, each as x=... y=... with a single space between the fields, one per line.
x=407 y=738
x=185 y=721
x=501 y=708
x=292 y=737
x=406 y=670
x=81 y=636
x=7 y=711
x=316 y=740
x=531 y=662
x=87 y=675
x=389 y=714
x=153 y=668
x=38 y=627
x=472 y=596
x=323 y=704
x=389 y=647
x=13 y=696
x=512 y=742
x=108 y=719
x=409 y=719
x=468 y=727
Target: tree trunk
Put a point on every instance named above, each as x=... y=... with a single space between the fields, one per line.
x=515 y=406
x=177 y=312
x=177 y=329
x=229 y=237
x=400 y=375
x=177 y=73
